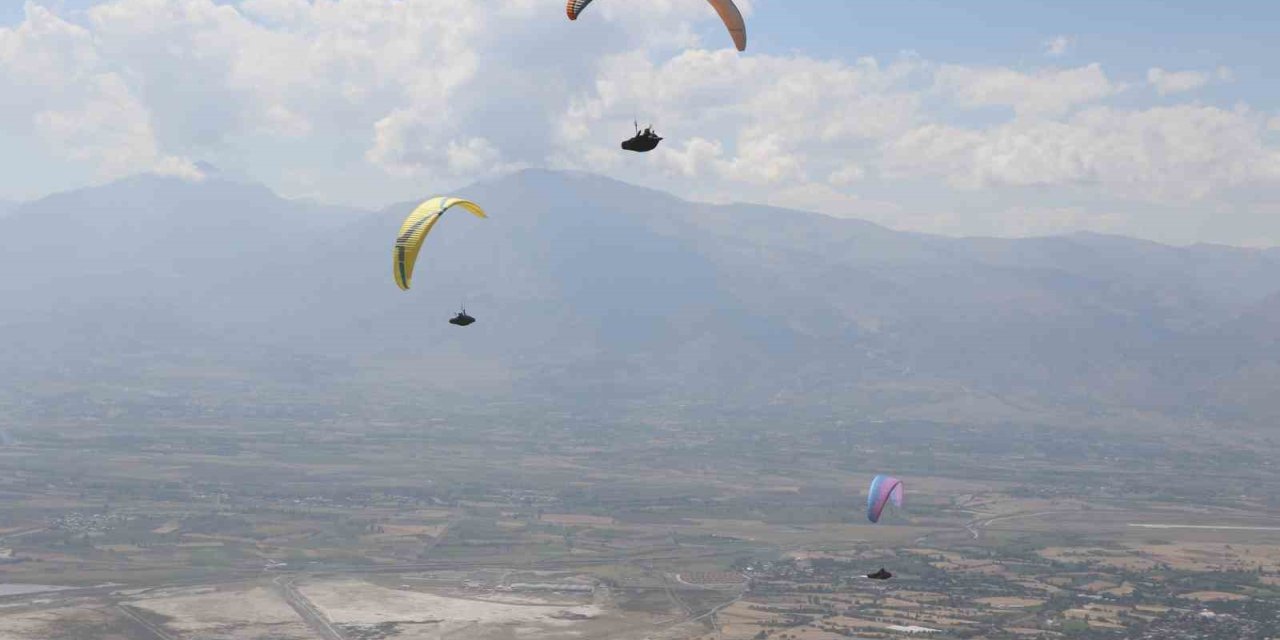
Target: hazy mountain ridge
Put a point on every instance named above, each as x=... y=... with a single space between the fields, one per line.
x=589 y=290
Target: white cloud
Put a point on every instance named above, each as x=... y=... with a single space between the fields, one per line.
x=44 y=51
x=401 y=74
x=57 y=86
x=1158 y=153
x=847 y=175
x=277 y=11
x=696 y=159
x=1047 y=92
x=110 y=129
x=751 y=119
x=1058 y=46
x=1170 y=82
x=386 y=67
x=395 y=94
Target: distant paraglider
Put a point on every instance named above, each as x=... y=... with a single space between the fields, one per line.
x=414 y=231
x=643 y=141
x=462 y=319
x=883 y=490
x=728 y=11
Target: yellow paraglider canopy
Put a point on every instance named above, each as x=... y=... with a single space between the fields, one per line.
x=415 y=229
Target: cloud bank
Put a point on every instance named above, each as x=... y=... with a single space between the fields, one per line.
x=348 y=100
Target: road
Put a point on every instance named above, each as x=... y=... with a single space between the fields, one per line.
x=712 y=614
x=155 y=631
x=974 y=527
x=306 y=610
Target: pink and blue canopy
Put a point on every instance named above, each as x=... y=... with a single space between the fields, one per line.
x=883 y=490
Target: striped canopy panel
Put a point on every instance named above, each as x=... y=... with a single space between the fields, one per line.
x=728 y=11
x=414 y=232
x=884 y=489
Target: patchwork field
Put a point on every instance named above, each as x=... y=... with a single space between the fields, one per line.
x=526 y=532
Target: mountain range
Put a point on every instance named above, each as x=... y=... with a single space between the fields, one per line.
x=595 y=294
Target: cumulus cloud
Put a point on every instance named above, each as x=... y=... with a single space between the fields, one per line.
x=1047 y=92
x=847 y=175
x=111 y=129
x=1163 y=152
x=753 y=125
x=750 y=119
x=58 y=87
x=406 y=92
x=155 y=81
x=1169 y=82
x=388 y=68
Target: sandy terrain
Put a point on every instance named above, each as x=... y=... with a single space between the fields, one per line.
x=34 y=624
x=570 y=519
x=234 y=613
x=88 y=622
x=1011 y=603
x=428 y=616
x=406 y=530
x=1214 y=596
x=168 y=527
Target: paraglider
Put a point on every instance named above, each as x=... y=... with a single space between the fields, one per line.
x=884 y=489
x=414 y=231
x=462 y=319
x=643 y=141
x=728 y=11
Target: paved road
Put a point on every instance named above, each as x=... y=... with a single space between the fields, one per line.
x=975 y=527
x=306 y=610
x=146 y=625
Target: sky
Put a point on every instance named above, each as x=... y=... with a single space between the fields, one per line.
x=989 y=117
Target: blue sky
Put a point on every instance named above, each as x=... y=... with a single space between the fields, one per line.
x=1157 y=119
x=1120 y=33
x=1126 y=36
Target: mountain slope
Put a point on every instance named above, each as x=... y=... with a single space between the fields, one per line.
x=595 y=293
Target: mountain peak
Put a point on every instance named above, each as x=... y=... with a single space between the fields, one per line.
x=151 y=186
x=582 y=183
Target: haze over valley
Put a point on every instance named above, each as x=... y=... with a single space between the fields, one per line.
x=659 y=427
x=595 y=294
x=639 y=320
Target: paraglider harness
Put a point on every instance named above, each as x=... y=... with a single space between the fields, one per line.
x=462 y=319
x=643 y=141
